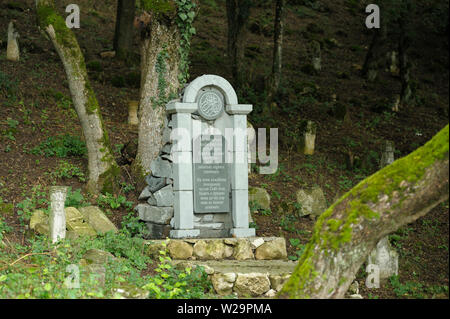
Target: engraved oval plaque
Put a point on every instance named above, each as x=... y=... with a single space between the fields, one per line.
x=210 y=105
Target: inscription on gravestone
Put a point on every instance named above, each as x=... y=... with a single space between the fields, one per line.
x=211 y=179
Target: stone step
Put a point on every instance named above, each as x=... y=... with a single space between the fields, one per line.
x=259 y=248
x=272 y=267
x=244 y=278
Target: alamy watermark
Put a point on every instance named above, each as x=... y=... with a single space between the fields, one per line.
x=373 y=19
x=73 y=280
x=73 y=19
x=230 y=147
x=373 y=276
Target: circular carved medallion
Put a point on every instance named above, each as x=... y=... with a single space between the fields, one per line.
x=210 y=105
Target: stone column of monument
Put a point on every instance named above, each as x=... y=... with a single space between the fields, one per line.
x=57 y=214
x=182 y=169
x=239 y=171
x=251 y=146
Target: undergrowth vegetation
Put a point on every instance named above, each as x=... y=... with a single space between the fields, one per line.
x=47 y=270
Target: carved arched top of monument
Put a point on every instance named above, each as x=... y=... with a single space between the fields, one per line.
x=192 y=90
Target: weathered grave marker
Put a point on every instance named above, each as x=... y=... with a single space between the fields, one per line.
x=57 y=213
x=12 y=50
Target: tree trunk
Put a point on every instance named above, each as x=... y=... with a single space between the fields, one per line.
x=123 y=37
x=238 y=12
x=376 y=54
x=348 y=231
x=160 y=60
x=404 y=64
x=274 y=82
x=103 y=169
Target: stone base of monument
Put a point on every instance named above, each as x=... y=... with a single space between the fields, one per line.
x=185 y=233
x=242 y=232
x=248 y=278
x=247 y=267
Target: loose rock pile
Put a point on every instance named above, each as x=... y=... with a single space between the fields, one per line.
x=85 y=221
x=157 y=211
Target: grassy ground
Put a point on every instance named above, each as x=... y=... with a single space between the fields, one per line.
x=35 y=106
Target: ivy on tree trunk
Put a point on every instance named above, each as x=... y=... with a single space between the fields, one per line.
x=166 y=31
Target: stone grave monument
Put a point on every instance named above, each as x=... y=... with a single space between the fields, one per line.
x=198 y=187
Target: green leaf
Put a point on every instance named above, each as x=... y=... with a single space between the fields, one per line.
x=294 y=241
x=191 y=14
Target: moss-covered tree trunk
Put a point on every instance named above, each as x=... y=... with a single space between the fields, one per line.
x=348 y=231
x=123 y=37
x=103 y=169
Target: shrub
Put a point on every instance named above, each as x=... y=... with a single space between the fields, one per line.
x=61 y=146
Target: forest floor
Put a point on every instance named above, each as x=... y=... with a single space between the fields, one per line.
x=35 y=105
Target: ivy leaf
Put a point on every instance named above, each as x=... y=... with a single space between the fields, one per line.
x=183 y=16
x=192 y=30
x=191 y=14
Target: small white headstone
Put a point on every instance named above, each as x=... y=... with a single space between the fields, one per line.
x=57 y=213
x=309 y=138
x=386 y=258
x=12 y=51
